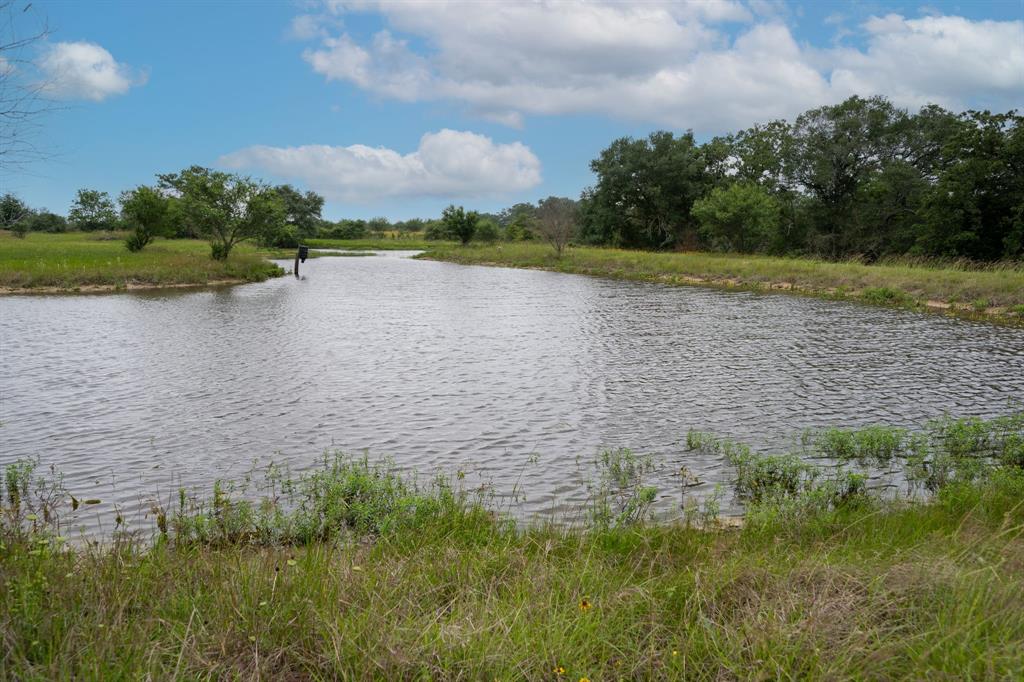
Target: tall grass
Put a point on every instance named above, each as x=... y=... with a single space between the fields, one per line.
x=352 y=572
x=953 y=287
x=78 y=260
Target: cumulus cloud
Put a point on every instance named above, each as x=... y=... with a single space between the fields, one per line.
x=674 y=64
x=938 y=59
x=84 y=70
x=448 y=164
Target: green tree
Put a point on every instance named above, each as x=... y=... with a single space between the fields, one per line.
x=519 y=222
x=741 y=217
x=487 y=231
x=15 y=215
x=835 y=150
x=144 y=209
x=225 y=208
x=976 y=207
x=459 y=223
x=92 y=210
x=645 y=189
x=302 y=210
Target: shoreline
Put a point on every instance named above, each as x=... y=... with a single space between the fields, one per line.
x=895 y=298
x=358 y=573
x=118 y=288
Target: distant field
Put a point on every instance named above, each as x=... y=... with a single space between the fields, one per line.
x=397 y=243
x=81 y=260
x=995 y=292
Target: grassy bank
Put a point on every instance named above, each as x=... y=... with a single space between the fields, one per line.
x=995 y=293
x=353 y=573
x=99 y=261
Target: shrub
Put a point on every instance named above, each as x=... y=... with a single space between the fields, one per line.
x=885 y=296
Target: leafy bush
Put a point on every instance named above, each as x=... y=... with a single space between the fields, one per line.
x=885 y=296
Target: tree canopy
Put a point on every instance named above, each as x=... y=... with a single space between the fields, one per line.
x=862 y=177
x=224 y=207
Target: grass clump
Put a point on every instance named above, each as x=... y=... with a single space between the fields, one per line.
x=353 y=572
x=342 y=498
x=885 y=296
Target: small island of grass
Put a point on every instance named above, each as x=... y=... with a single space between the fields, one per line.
x=99 y=261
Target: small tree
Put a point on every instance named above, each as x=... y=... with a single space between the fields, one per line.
x=460 y=224
x=145 y=209
x=741 y=217
x=14 y=215
x=92 y=210
x=556 y=221
x=225 y=208
x=302 y=211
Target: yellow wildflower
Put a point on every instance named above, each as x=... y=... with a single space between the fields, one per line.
x=585 y=604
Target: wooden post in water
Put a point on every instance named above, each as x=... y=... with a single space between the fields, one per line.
x=301 y=254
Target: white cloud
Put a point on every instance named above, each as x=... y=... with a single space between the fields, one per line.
x=673 y=64
x=448 y=164
x=939 y=59
x=85 y=71
x=306 y=27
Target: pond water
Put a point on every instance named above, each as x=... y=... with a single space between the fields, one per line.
x=517 y=378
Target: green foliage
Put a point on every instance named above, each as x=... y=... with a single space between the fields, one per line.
x=14 y=215
x=44 y=221
x=976 y=207
x=872 y=445
x=519 y=222
x=859 y=178
x=82 y=259
x=487 y=231
x=351 y=572
x=301 y=214
x=345 y=229
x=144 y=210
x=342 y=497
x=225 y=208
x=885 y=296
x=739 y=217
x=644 y=192
x=458 y=224
x=92 y=210
x=620 y=496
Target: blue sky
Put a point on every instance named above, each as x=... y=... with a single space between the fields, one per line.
x=399 y=109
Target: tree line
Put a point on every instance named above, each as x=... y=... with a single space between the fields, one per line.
x=860 y=178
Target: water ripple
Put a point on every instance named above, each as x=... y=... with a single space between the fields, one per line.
x=451 y=367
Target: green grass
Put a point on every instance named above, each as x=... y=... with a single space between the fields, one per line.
x=84 y=260
x=915 y=286
x=352 y=572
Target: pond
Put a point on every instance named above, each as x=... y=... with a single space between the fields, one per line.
x=516 y=378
